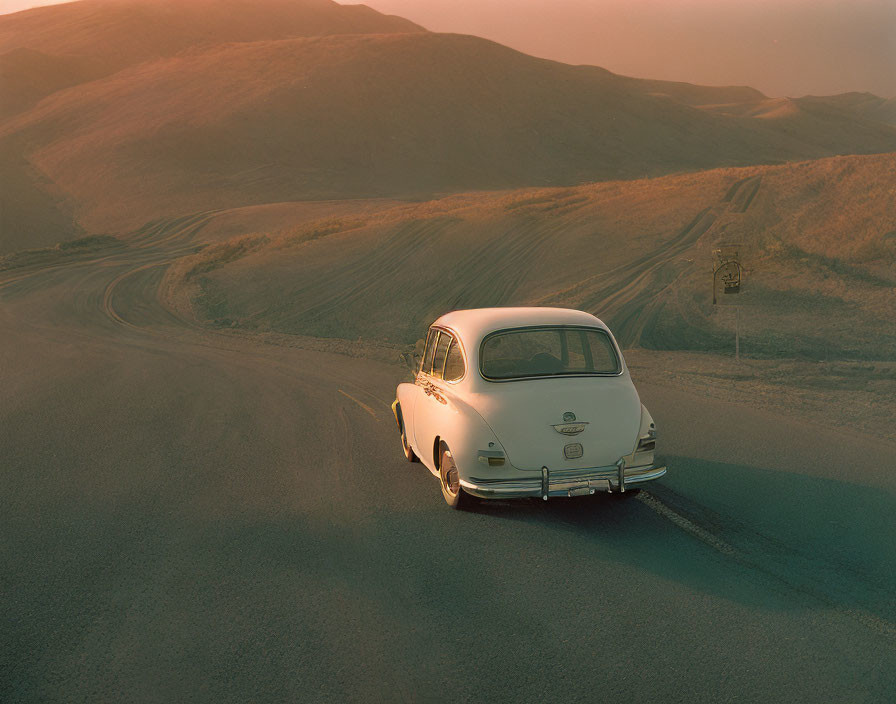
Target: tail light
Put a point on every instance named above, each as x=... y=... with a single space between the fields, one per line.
x=647 y=443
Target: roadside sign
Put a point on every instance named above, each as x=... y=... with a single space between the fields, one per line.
x=727 y=273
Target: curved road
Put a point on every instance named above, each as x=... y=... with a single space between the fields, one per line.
x=192 y=516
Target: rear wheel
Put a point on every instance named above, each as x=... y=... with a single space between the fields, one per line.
x=405 y=445
x=452 y=491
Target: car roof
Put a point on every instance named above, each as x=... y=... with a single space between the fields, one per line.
x=475 y=323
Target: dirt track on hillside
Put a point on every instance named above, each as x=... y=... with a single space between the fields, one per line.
x=631 y=295
x=191 y=515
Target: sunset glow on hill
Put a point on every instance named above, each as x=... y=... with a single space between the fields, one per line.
x=782 y=47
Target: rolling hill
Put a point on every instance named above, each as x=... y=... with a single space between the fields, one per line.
x=119 y=33
x=124 y=111
x=49 y=48
x=818 y=239
x=399 y=115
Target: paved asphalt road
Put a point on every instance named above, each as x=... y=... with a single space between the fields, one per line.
x=190 y=516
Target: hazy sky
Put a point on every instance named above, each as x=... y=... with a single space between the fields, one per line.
x=16 y=5
x=782 y=47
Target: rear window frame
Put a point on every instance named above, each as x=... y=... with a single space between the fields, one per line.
x=620 y=366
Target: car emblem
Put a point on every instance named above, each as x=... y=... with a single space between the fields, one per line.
x=569 y=417
x=569 y=428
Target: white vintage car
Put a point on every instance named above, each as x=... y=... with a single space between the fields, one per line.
x=514 y=402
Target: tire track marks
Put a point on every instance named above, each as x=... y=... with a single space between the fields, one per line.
x=808 y=575
x=631 y=297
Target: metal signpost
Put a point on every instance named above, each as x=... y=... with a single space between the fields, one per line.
x=727 y=269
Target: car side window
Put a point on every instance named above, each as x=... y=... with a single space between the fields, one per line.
x=427 y=353
x=438 y=363
x=454 y=363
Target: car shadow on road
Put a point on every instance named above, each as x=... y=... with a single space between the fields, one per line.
x=825 y=541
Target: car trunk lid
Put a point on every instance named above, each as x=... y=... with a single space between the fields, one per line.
x=535 y=420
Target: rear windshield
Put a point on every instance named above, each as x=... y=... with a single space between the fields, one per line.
x=547 y=351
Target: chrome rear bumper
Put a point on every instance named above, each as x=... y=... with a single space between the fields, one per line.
x=563 y=482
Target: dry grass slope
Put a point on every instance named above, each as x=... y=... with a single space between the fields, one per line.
x=819 y=240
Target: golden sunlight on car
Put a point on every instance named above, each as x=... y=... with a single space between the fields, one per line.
x=525 y=402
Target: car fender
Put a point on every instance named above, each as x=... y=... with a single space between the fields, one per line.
x=469 y=437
